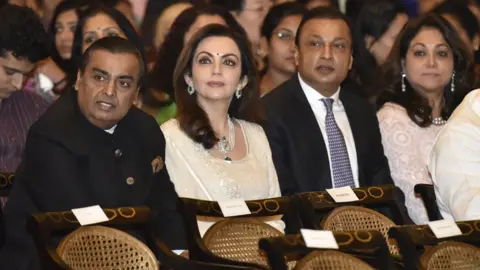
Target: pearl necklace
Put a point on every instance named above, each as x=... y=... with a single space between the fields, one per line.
x=439 y=121
x=225 y=146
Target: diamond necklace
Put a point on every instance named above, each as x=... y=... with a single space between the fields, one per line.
x=438 y=121
x=225 y=146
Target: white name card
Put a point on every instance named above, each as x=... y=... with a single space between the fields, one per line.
x=319 y=239
x=90 y=215
x=444 y=228
x=343 y=194
x=232 y=208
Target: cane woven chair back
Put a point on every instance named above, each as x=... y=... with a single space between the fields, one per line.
x=331 y=260
x=99 y=247
x=237 y=239
x=451 y=255
x=355 y=218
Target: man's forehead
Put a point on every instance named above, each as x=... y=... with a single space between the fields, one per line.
x=327 y=26
x=114 y=63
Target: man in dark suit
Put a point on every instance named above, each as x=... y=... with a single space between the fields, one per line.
x=92 y=147
x=323 y=135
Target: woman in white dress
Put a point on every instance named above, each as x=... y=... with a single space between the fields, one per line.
x=215 y=150
x=428 y=74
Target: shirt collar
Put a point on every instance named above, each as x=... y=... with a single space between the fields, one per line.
x=111 y=130
x=313 y=96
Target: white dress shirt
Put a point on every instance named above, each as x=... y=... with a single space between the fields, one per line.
x=315 y=100
x=454 y=162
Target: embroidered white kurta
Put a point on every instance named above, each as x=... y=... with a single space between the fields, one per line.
x=197 y=174
x=407 y=146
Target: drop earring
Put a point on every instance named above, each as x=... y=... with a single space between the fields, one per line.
x=404 y=87
x=190 y=90
x=238 y=93
x=452 y=85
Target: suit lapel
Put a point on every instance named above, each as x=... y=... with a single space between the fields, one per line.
x=311 y=145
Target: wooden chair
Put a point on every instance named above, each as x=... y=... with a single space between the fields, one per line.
x=315 y=206
x=99 y=247
x=6 y=182
x=45 y=225
x=414 y=240
x=451 y=255
x=240 y=233
x=367 y=246
x=331 y=260
x=237 y=239
x=353 y=218
x=427 y=193
x=319 y=211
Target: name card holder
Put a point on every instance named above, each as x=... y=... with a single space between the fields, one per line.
x=319 y=239
x=343 y=194
x=90 y=215
x=233 y=208
x=444 y=228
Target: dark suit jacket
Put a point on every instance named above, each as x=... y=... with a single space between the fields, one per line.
x=69 y=163
x=298 y=148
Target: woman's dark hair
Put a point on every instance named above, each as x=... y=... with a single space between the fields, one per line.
x=417 y=106
x=192 y=118
x=276 y=14
x=333 y=3
x=76 y=5
x=460 y=11
x=160 y=79
x=232 y=5
x=374 y=19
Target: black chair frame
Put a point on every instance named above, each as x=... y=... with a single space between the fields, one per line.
x=368 y=246
x=412 y=239
x=314 y=207
x=191 y=208
x=427 y=193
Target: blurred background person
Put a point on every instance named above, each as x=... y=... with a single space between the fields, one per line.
x=125 y=7
x=165 y=21
x=310 y=4
x=425 y=6
x=427 y=75
x=50 y=78
x=457 y=13
x=159 y=99
x=278 y=44
x=250 y=15
x=374 y=33
x=97 y=22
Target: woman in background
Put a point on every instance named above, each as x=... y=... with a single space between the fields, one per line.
x=214 y=148
x=428 y=74
x=98 y=22
x=62 y=29
x=377 y=27
x=50 y=78
x=278 y=41
x=165 y=20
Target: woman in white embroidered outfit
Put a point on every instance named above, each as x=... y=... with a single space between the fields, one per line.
x=215 y=151
x=428 y=74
